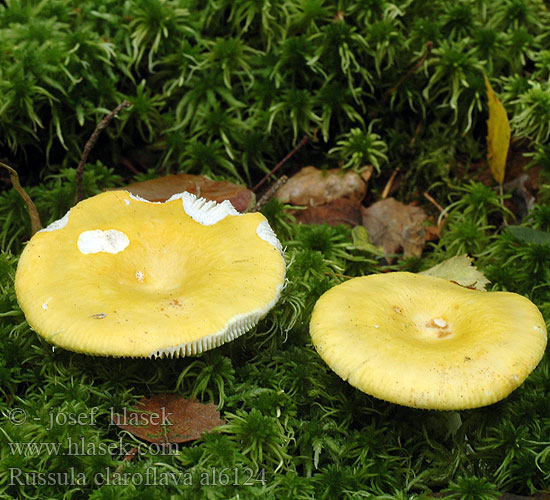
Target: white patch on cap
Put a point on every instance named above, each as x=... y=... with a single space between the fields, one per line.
x=440 y=322
x=58 y=224
x=265 y=232
x=140 y=276
x=109 y=241
x=203 y=211
x=127 y=202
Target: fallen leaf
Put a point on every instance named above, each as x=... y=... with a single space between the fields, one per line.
x=396 y=226
x=340 y=211
x=461 y=270
x=169 y=418
x=498 y=135
x=311 y=187
x=162 y=188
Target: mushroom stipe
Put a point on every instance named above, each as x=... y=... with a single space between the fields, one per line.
x=121 y=276
x=425 y=342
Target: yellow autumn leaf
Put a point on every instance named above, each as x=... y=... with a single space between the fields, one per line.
x=498 y=135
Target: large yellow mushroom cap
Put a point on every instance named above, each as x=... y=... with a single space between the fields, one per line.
x=426 y=342
x=121 y=276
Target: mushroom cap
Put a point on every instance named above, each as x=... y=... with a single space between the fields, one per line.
x=426 y=342
x=121 y=276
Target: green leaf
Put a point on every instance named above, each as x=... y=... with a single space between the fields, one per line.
x=460 y=270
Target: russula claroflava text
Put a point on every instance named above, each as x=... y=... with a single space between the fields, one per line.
x=121 y=276
x=427 y=342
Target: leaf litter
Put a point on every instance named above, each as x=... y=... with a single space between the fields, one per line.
x=169 y=418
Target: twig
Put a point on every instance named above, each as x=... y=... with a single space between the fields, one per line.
x=442 y=212
x=281 y=163
x=413 y=70
x=128 y=164
x=270 y=193
x=31 y=207
x=429 y=197
x=339 y=275
x=406 y=76
x=416 y=135
x=90 y=144
x=389 y=184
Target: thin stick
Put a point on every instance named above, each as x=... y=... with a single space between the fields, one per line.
x=413 y=70
x=128 y=164
x=90 y=144
x=339 y=275
x=416 y=135
x=429 y=197
x=281 y=163
x=31 y=207
x=442 y=214
x=389 y=184
x=270 y=193
x=406 y=76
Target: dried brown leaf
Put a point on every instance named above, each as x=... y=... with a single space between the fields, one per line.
x=311 y=187
x=169 y=418
x=340 y=211
x=162 y=188
x=396 y=226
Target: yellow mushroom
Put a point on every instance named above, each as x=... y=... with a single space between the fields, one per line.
x=426 y=342
x=121 y=276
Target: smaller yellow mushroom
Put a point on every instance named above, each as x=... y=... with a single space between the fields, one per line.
x=427 y=342
x=121 y=276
